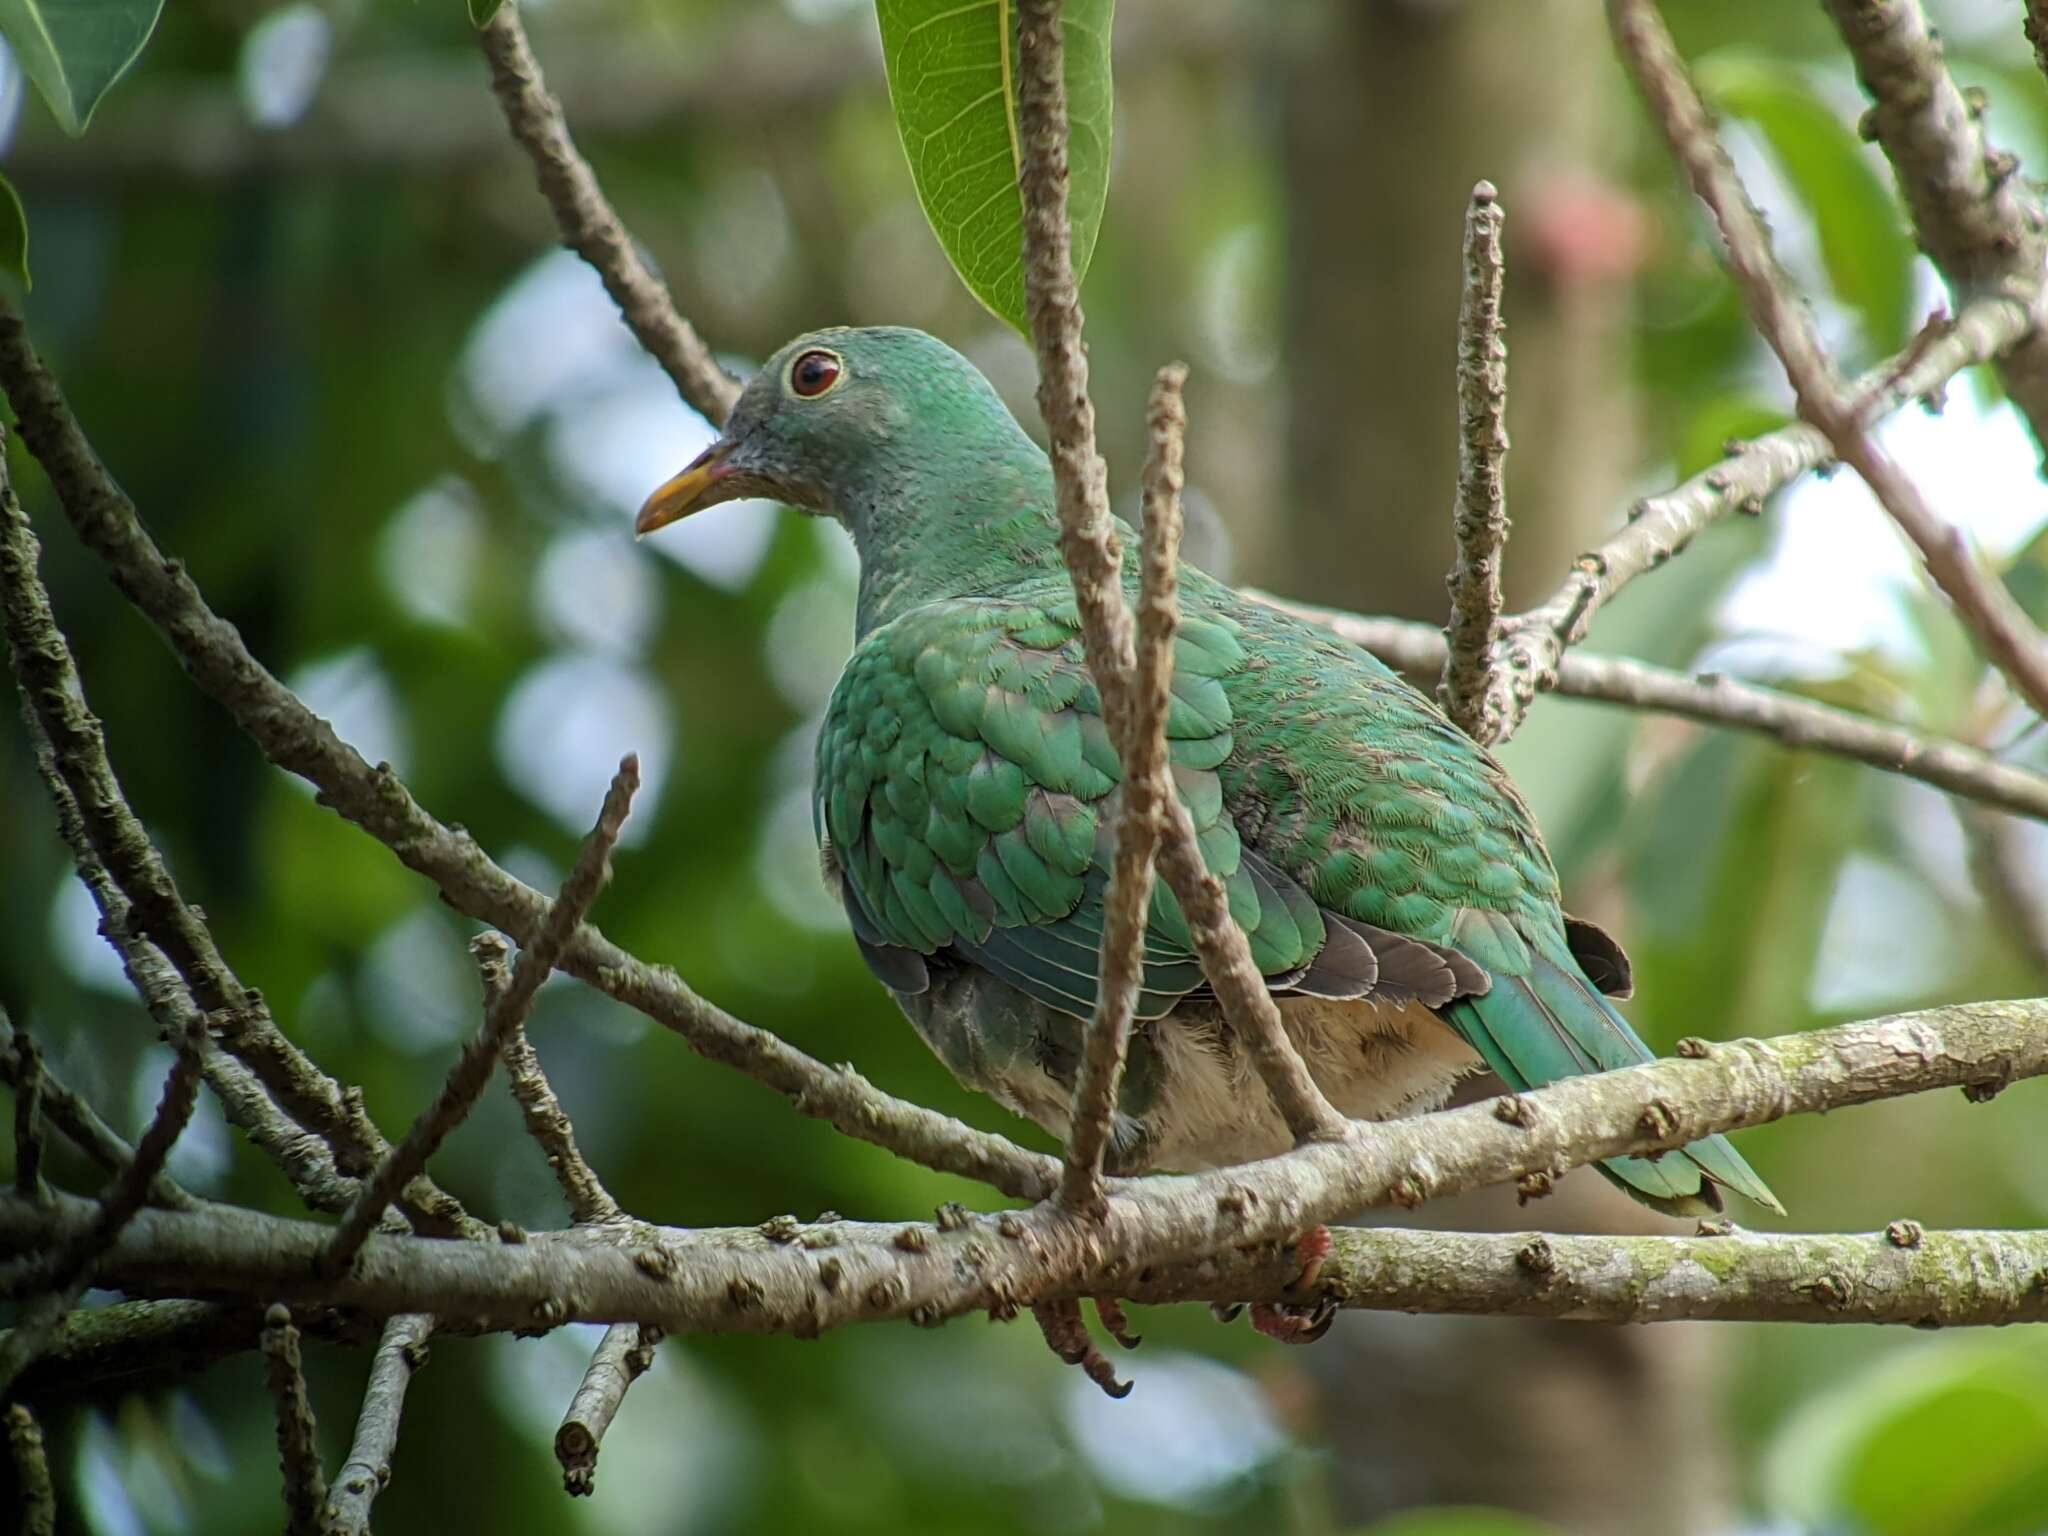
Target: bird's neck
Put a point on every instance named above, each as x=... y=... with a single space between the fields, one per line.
x=962 y=520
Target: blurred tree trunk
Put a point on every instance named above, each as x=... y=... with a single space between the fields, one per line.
x=1393 y=114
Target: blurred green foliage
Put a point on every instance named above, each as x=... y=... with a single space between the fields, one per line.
x=306 y=303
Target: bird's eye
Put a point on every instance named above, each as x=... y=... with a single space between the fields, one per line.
x=813 y=373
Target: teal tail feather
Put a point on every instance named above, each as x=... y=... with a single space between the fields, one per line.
x=1550 y=1023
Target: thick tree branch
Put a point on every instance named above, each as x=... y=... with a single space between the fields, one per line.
x=400 y=1352
x=95 y=1346
x=505 y=1012
x=1804 y=725
x=1983 y=602
x=1974 y=218
x=745 y=1280
x=1147 y=789
x=1662 y=525
x=298 y=1450
x=546 y=1121
x=1474 y=690
x=300 y=742
x=589 y=226
x=622 y=1357
x=1089 y=545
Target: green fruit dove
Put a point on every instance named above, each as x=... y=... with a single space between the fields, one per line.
x=1392 y=884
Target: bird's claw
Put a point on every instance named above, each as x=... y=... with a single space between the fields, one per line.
x=1067 y=1334
x=1294 y=1325
x=1110 y=1313
x=1287 y=1323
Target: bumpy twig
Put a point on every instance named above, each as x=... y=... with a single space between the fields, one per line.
x=748 y=1280
x=298 y=1451
x=506 y=1012
x=1973 y=216
x=1662 y=525
x=1711 y=698
x=26 y=1074
x=1089 y=545
x=1981 y=600
x=1473 y=690
x=1147 y=789
x=546 y=1121
x=37 y=1508
x=400 y=1352
x=589 y=226
x=622 y=1357
x=300 y=742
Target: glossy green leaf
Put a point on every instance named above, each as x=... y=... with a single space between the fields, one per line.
x=75 y=49
x=13 y=234
x=1948 y=1439
x=481 y=11
x=1863 y=240
x=953 y=84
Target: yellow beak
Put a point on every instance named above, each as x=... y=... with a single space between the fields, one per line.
x=687 y=492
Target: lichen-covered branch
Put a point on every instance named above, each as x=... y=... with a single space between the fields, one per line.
x=505 y=1011
x=1973 y=215
x=1982 y=601
x=1474 y=690
x=1533 y=643
x=37 y=1506
x=1712 y=698
x=298 y=1451
x=1088 y=544
x=1141 y=813
x=622 y=1357
x=400 y=1352
x=589 y=226
x=300 y=742
x=805 y=1279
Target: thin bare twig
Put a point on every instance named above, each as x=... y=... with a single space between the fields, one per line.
x=2011 y=878
x=1089 y=545
x=507 y=1011
x=1981 y=600
x=298 y=1450
x=300 y=742
x=1712 y=698
x=1474 y=691
x=169 y=955
x=546 y=1121
x=1660 y=526
x=27 y=1077
x=622 y=1357
x=1972 y=214
x=1141 y=814
x=589 y=226
x=77 y=1120
x=59 y=1273
x=38 y=1495
x=401 y=1351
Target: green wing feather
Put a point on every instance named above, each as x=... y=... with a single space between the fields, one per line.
x=964 y=783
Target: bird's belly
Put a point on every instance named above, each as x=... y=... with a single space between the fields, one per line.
x=1192 y=1098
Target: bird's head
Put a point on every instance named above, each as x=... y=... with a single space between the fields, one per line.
x=841 y=420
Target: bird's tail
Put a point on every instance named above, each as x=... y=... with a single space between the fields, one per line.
x=1549 y=1023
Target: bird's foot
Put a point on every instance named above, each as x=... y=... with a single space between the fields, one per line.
x=1285 y=1322
x=1067 y=1334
